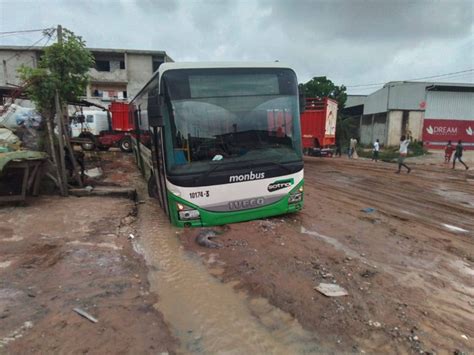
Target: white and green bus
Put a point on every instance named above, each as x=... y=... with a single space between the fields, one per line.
x=220 y=142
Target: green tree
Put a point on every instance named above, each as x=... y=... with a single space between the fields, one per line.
x=321 y=86
x=63 y=67
x=61 y=77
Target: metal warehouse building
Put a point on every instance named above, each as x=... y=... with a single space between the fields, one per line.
x=430 y=112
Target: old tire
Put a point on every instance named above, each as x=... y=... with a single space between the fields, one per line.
x=88 y=146
x=126 y=144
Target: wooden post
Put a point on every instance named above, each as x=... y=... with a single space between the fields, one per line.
x=71 y=151
x=54 y=153
x=62 y=164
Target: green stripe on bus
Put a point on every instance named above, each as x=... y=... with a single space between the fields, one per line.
x=211 y=218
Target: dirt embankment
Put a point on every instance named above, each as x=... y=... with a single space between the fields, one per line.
x=57 y=254
x=408 y=264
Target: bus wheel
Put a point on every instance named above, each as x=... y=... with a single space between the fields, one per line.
x=152 y=187
x=126 y=144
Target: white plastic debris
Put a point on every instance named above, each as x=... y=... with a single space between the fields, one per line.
x=331 y=290
x=94 y=173
x=131 y=236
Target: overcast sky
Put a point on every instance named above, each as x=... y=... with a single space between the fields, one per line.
x=351 y=42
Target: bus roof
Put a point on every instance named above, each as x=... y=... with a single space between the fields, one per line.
x=203 y=65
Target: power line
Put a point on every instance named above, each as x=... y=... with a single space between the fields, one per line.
x=414 y=79
x=24 y=31
x=46 y=33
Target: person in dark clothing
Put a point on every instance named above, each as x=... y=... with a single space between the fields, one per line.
x=458 y=155
x=338 y=149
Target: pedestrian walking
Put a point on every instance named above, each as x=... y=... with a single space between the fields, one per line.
x=352 y=149
x=404 y=143
x=448 y=152
x=338 y=149
x=350 y=152
x=458 y=155
x=375 y=151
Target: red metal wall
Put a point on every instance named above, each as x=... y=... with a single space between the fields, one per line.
x=120 y=119
x=437 y=132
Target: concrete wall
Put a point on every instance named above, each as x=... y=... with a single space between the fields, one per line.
x=366 y=129
x=139 y=71
x=394 y=127
x=415 y=124
x=10 y=61
x=380 y=128
x=113 y=76
x=373 y=127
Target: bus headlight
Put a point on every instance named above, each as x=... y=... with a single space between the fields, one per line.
x=295 y=197
x=188 y=214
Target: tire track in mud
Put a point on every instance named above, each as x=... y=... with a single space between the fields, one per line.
x=406 y=207
x=391 y=200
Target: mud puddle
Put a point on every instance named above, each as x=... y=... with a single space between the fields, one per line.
x=207 y=315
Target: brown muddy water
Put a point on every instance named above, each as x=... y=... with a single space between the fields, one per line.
x=206 y=315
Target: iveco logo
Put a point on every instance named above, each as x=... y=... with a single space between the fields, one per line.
x=278 y=185
x=246 y=204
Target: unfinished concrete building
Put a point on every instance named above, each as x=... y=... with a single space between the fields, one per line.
x=118 y=73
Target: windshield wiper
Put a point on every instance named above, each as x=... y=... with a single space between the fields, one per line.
x=289 y=170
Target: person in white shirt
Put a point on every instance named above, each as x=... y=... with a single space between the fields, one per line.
x=404 y=143
x=375 y=151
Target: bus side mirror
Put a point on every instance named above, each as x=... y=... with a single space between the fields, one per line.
x=302 y=100
x=155 y=116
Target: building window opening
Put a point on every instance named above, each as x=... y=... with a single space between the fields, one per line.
x=122 y=64
x=102 y=65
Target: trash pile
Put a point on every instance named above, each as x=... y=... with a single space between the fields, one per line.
x=20 y=129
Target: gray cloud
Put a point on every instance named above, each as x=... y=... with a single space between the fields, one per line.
x=351 y=42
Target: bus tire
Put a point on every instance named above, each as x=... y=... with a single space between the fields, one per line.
x=153 y=187
x=125 y=144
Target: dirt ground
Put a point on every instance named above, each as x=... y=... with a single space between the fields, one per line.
x=408 y=265
x=57 y=254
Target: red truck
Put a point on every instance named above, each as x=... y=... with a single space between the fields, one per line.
x=119 y=132
x=318 y=126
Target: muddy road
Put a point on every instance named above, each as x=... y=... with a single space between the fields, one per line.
x=407 y=262
x=57 y=254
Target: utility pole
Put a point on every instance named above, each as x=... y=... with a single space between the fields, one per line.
x=65 y=127
x=59 y=118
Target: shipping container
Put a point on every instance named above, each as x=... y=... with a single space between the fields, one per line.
x=318 y=124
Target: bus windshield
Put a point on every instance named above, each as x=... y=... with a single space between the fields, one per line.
x=220 y=116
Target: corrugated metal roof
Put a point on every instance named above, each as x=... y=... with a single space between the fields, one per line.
x=376 y=102
x=355 y=100
x=406 y=95
x=450 y=105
